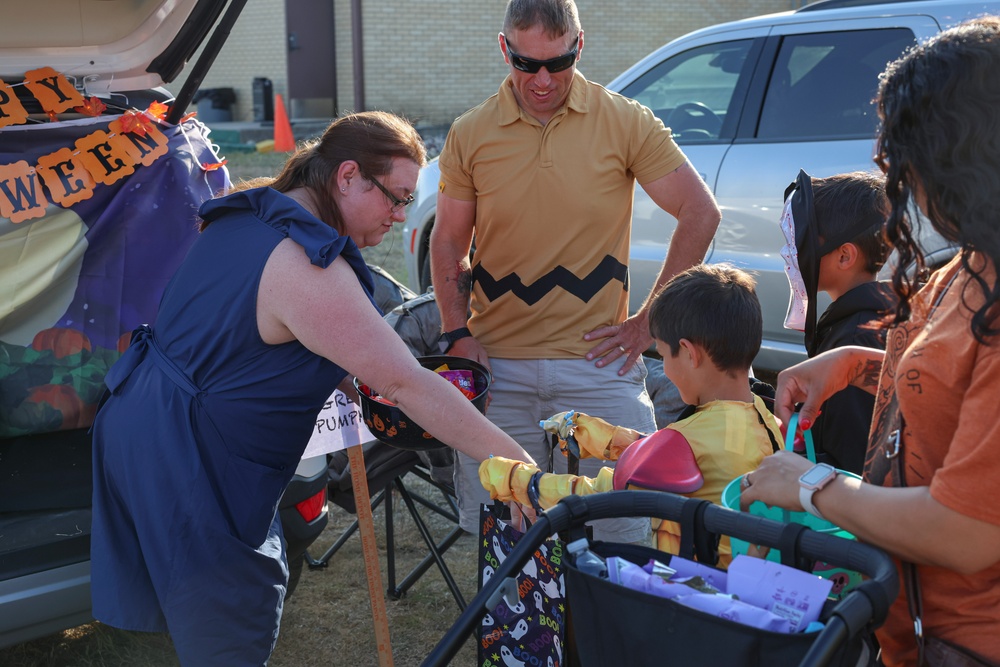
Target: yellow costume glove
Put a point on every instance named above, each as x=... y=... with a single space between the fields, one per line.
x=560 y=424
x=508 y=480
x=594 y=437
x=553 y=487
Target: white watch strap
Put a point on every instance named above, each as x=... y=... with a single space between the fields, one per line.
x=805 y=499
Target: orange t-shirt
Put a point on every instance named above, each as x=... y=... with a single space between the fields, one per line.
x=947 y=385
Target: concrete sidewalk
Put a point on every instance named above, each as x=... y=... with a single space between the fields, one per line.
x=244 y=135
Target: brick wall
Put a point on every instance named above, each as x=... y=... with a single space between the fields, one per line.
x=431 y=60
x=256 y=47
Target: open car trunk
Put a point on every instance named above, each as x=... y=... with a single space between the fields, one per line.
x=101 y=178
x=115 y=50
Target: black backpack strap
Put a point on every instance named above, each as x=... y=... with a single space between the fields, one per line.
x=775 y=445
x=765 y=391
x=697 y=543
x=686 y=412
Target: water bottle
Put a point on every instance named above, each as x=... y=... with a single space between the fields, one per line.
x=586 y=560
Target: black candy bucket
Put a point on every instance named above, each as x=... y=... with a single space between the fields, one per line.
x=391 y=426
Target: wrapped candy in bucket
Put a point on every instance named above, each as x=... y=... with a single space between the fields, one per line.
x=391 y=425
x=463 y=379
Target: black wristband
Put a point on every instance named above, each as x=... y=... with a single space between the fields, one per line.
x=448 y=338
x=534 y=491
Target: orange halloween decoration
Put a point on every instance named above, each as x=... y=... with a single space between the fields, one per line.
x=75 y=413
x=134 y=121
x=124 y=341
x=53 y=90
x=91 y=106
x=23 y=196
x=67 y=179
x=158 y=109
x=62 y=342
x=12 y=112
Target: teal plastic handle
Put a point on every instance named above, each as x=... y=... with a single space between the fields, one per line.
x=793 y=424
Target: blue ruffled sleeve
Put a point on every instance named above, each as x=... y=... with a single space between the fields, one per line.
x=321 y=243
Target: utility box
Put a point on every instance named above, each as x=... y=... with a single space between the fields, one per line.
x=263 y=100
x=215 y=104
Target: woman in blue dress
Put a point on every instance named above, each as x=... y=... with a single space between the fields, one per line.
x=211 y=408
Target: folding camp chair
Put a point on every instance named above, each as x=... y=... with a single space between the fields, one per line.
x=385 y=468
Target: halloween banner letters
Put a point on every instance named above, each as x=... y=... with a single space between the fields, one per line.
x=70 y=174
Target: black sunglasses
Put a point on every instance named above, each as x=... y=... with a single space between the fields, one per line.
x=553 y=65
x=397 y=203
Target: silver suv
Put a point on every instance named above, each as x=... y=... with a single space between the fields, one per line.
x=78 y=273
x=751 y=102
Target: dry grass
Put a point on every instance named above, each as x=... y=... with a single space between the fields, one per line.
x=388 y=254
x=329 y=616
x=328 y=621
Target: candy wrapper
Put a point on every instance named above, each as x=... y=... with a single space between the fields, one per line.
x=374 y=395
x=689 y=568
x=792 y=594
x=464 y=380
x=758 y=593
x=725 y=606
x=630 y=575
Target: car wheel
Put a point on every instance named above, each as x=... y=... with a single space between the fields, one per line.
x=425 y=264
x=294 y=574
x=425 y=273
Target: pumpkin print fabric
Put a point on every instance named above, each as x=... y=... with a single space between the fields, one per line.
x=75 y=283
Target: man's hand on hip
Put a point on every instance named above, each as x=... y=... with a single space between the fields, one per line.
x=629 y=340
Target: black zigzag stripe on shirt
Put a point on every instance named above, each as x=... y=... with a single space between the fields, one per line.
x=583 y=288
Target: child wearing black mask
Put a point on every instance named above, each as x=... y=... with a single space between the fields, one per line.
x=834 y=237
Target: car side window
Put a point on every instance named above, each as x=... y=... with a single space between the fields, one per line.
x=693 y=92
x=823 y=85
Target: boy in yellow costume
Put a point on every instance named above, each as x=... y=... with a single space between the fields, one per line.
x=707 y=325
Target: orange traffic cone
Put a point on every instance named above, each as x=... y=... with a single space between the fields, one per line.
x=284 y=141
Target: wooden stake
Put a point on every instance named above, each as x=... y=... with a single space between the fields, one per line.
x=369 y=550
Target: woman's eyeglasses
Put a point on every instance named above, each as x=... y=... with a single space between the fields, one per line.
x=553 y=65
x=397 y=203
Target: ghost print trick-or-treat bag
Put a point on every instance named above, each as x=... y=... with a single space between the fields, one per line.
x=527 y=626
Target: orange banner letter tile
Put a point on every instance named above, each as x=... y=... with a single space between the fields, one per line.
x=11 y=111
x=54 y=91
x=21 y=196
x=142 y=148
x=65 y=176
x=106 y=161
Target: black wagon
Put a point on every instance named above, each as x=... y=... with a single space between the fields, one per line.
x=609 y=624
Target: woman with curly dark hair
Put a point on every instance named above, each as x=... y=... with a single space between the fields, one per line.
x=927 y=495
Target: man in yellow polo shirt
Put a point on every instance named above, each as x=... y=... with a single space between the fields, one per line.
x=543 y=174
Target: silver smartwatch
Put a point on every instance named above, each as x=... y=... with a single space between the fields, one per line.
x=813 y=480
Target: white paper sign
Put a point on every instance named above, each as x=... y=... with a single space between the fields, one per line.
x=339 y=425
